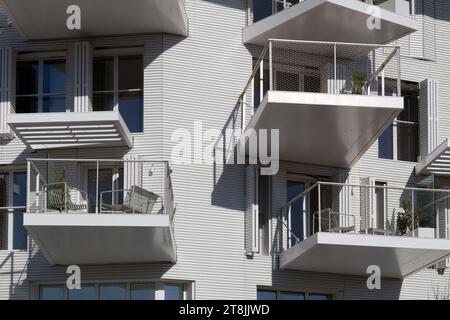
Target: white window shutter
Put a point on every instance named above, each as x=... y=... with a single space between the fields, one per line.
x=83 y=76
x=429 y=116
x=7 y=87
x=251 y=210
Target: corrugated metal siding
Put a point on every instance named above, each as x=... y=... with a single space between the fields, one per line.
x=200 y=78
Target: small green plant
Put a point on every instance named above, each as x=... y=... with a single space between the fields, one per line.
x=404 y=218
x=358 y=81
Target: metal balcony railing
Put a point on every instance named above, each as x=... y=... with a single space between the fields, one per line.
x=99 y=186
x=322 y=67
x=365 y=209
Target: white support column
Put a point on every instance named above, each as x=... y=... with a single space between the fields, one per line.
x=83 y=76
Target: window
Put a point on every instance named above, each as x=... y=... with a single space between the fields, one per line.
x=118 y=83
x=173 y=292
x=13 y=183
x=40 y=86
x=265 y=8
x=115 y=291
x=51 y=293
x=142 y=291
x=400 y=141
x=290 y=295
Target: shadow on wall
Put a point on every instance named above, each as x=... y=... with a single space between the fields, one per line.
x=35 y=269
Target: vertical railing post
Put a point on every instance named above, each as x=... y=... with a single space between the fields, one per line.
x=28 y=184
x=319 y=206
x=399 y=75
x=335 y=69
x=413 y=209
x=261 y=80
x=270 y=66
x=367 y=205
x=38 y=178
x=96 y=188
x=288 y=231
x=244 y=98
x=383 y=93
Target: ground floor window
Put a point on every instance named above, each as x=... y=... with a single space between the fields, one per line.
x=263 y=294
x=115 y=291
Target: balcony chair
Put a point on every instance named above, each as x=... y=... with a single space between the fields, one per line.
x=58 y=198
x=331 y=222
x=137 y=200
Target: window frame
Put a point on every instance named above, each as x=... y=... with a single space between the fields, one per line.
x=306 y=293
x=10 y=171
x=116 y=54
x=187 y=288
x=395 y=129
x=40 y=58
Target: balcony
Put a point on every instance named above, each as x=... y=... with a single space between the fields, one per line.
x=330 y=20
x=91 y=212
x=51 y=130
x=46 y=19
x=344 y=228
x=330 y=101
x=437 y=162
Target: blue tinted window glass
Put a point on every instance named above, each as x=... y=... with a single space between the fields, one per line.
x=386 y=144
x=54 y=76
x=85 y=293
x=131 y=107
x=142 y=291
x=261 y=9
x=113 y=292
x=54 y=104
x=291 y=296
x=51 y=293
x=266 y=295
x=19 y=199
x=172 y=292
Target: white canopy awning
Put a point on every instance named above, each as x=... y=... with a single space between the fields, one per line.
x=330 y=20
x=325 y=129
x=46 y=19
x=351 y=254
x=70 y=129
x=89 y=239
x=437 y=162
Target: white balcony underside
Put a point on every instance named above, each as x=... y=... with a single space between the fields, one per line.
x=46 y=19
x=70 y=129
x=325 y=129
x=351 y=254
x=91 y=239
x=329 y=20
x=437 y=162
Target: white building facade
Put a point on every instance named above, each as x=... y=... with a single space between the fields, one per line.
x=107 y=135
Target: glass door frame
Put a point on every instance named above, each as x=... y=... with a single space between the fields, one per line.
x=308 y=181
x=10 y=171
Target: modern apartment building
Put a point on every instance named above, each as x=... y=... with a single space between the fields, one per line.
x=107 y=146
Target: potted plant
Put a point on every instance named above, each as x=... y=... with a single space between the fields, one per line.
x=358 y=81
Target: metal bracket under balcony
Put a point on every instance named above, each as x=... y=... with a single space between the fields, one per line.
x=330 y=20
x=437 y=162
x=46 y=19
x=70 y=129
x=351 y=254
